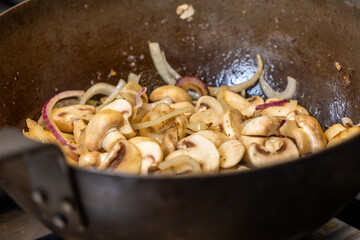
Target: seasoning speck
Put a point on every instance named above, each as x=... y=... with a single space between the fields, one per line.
x=338 y=66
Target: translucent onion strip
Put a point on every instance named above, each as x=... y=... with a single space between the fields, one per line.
x=162 y=118
x=242 y=86
x=132 y=77
x=170 y=69
x=116 y=92
x=46 y=113
x=160 y=63
x=288 y=93
x=98 y=88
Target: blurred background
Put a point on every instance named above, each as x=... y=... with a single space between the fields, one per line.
x=5 y=4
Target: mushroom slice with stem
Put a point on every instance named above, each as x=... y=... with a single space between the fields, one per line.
x=344 y=136
x=125 y=108
x=276 y=150
x=177 y=94
x=79 y=127
x=98 y=126
x=214 y=136
x=127 y=158
x=283 y=109
x=262 y=126
x=158 y=111
x=65 y=117
x=150 y=150
x=209 y=111
x=307 y=132
x=232 y=123
x=201 y=149
x=245 y=106
x=231 y=153
x=170 y=140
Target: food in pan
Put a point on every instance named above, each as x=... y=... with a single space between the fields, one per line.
x=184 y=127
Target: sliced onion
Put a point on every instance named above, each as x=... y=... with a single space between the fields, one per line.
x=132 y=77
x=170 y=69
x=160 y=64
x=244 y=85
x=272 y=104
x=138 y=100
x=46 y=113
x=150 y=106
x=347 y=122
x=178 y=162
x=98 y=88
x=116 y=91
x=293 y=105
x=162 y=118
x=190 y=83
x=288 y=93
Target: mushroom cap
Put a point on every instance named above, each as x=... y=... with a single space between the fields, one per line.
x=245 y=106
x=283 y=109
x=232 y=123
x=127 y=158
x=209 y=103
x=216 y=137
x=200 y=148
x=231 y=153
x=344 y=136
x=262 y=126
x=177 y=94
x=150 y=151
x=65 y=117
x=99 y=124
x=276 y=150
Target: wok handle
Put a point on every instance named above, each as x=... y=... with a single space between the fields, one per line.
x=53 y=186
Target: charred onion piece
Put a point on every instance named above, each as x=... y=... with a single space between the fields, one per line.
x=190 y=83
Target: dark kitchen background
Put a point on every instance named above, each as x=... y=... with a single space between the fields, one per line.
x=15 y=224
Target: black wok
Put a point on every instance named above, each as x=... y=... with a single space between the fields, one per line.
x=51 y=46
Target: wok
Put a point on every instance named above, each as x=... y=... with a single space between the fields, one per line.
x=51 y=46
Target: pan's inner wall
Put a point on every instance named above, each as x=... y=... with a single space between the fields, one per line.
x=47 y=47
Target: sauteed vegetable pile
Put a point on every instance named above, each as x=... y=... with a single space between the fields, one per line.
x=184 y=127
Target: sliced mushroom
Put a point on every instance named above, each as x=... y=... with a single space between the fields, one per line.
x=231 y=153
x=151 y=154
x=65 y=117
x=201 y=149
x=209 y=111
x=177 y=94
x=125 y=108
x=133 y=86
x=249 y=140
x=170 y=140
x=181 y=164
x=276 y=150
x=344 y=136
x=158 y=111
x=181 y=105
x=79 y=127
x=180 y=123
x=111 y=137
x=307 y=132
x=91 y=159
x=245 y=106
x=232 y=123
x=283 y=109
x=333 y=131
x=262 y=126
x=216 y=137
x=127 y=157
x=98 y=126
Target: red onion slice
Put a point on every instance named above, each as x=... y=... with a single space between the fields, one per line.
x=49 y=122
x=138 y=96
x=272 y=104
x=193 y=83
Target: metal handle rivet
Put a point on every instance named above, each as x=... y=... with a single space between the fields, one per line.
x=38 y=197
x=59 y=221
